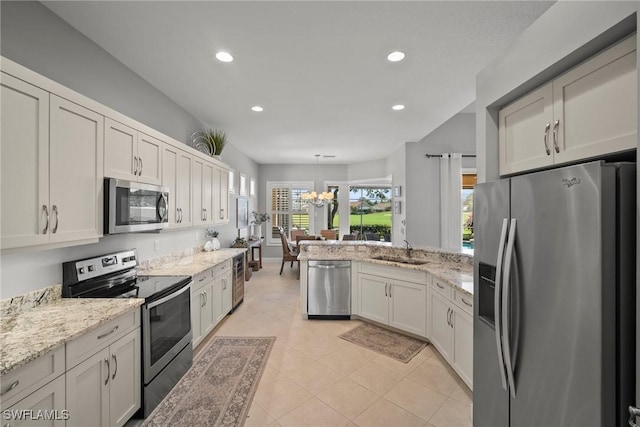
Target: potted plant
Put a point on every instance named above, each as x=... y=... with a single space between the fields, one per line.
x=257 y=221
x=239 y=242
x=213 y=139
x=213 y=244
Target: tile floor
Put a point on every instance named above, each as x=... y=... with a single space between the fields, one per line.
x=313 y=378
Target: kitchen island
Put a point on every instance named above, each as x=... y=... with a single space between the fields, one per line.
x=427 y=293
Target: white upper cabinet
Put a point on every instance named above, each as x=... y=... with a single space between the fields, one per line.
x=53 y=148
x=24 y=135
x=130 y=154
x=176 y=176
x=75 y=169
x=221 y=195
x=590 y=111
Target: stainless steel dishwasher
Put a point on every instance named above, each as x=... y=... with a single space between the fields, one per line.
x=329 y=290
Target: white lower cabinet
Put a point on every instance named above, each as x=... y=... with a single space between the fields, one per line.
x=451 y=327
x=386 y=299
x=105 y=389
x=44 y=407
x=210 y=299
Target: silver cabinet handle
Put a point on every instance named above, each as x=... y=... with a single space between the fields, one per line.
x=54 y=209
x=11 y=387
x=135 y=165
x=497 y=302
x=204 y=215
x=106 y=360
x=466 y=303
x=451 y=318
x=634 y=413
x=506 y=325
x=46 y=212
x=115 y=370
x=448 y=310
x=390 y=290
x=385 y=290
x=555 y=135
x=141 y=166
x=439 y=285
x=115 y=328
x=221 y=213
x=546 y=137
x=202 y=278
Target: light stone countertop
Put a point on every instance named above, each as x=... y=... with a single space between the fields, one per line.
x=190 y=264
x=28 y=334
x=453 y=268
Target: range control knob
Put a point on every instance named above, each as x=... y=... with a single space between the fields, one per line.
x=81 y=270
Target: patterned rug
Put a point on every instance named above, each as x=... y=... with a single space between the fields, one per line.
x=219 y=387
x=383 y=341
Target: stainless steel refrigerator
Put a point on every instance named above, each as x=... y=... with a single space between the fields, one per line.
x=554 y=274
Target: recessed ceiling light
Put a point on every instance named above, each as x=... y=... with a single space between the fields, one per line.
x=224 y=56
x=398 y=107
x=395 y=56
x=257 y=108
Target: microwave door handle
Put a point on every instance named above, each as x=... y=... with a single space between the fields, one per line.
x=169 y=297
x=496 y=302
x=506 y=330
x=166 y=207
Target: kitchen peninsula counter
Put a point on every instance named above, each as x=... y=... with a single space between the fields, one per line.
x=28 y=332
x=456 y=269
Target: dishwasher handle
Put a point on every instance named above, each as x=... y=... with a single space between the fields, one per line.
x=329 y=264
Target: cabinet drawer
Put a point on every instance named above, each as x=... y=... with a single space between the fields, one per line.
x=24 y=380
x=222 y=268
x=398 y=273
x=463 y=301
x=89 y=344
x=442 y=287
x=202 y=278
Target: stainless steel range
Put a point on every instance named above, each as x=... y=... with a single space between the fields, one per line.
x=166 y=315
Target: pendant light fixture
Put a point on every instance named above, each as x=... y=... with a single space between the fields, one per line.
x=313 y=198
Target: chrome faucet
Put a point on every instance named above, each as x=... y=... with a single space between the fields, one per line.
x=408 y=248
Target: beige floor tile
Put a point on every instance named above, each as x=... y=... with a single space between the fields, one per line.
x=316 y=348
x=314 y=377
x=292 y=360
x=462 y=394
x=401 y=367
x=344 y=361
x=376 y=378
x=419 y=400
x=452 y=414
x=383 y=413
x=257 y=417
x=313 y=413
x=280 y=397
x=348 y=398
x=435 y=375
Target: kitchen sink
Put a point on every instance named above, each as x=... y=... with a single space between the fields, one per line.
x=401 y=260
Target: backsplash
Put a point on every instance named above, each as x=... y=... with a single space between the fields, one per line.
x=20 y=303
x=168 y=259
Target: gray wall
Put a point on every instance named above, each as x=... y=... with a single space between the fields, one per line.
x=457 y=135
x=31 y=35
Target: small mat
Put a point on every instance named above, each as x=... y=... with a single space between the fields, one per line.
x=383 y=341
x=219 y=387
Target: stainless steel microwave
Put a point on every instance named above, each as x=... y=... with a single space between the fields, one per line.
x=130 y=207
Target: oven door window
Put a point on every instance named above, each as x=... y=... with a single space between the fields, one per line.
x=136 y=206
x=169 y=323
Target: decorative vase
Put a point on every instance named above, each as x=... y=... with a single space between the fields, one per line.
x=215 y=243
x=208 y=246
x=257 y=231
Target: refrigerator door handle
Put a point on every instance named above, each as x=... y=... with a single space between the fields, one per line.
x=505 y=307
x=496 y=303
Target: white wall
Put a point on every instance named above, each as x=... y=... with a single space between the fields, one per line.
x=31 y=35
x=457 y=135
x=396 y=166
x=566 y=34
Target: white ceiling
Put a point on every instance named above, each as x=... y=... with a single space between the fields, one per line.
x=319 y=69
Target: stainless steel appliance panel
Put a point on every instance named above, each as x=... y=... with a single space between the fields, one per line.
x=238 y=281
x=558 y=309
x=132 y=206
x=329 y=288
x=490 y=210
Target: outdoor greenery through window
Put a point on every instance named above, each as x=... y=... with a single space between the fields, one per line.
x=468 y=181
x=287 y=209
x=369 y=212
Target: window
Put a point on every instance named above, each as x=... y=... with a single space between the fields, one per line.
x=468 y=181
x=287 y=209
x=243 y=184
x=370 y=212
x=252 y=187
x=232 y=184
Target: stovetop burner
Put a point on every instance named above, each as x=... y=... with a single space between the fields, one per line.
x=115 y=276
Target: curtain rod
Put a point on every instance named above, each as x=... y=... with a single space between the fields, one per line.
x=440 y=155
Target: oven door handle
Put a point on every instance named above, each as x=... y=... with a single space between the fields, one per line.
x=171 y=296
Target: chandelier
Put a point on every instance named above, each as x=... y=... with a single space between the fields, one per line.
x=315 y=199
